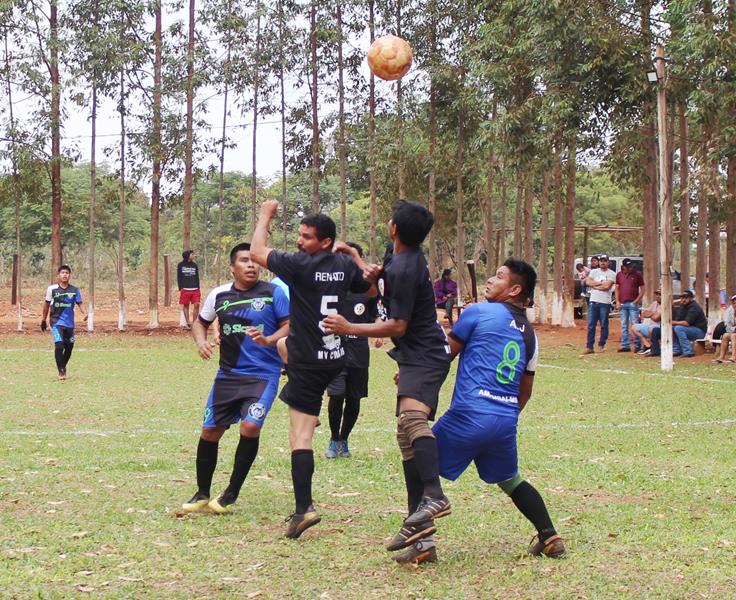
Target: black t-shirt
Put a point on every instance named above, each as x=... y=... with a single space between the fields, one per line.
x=187 y=275
x=693 y=314
x=407 y=294
x=358 y=308
x=318 y=284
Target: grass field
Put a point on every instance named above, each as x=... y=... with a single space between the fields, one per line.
x=638 y=471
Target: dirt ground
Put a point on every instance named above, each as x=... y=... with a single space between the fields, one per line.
x=106 y=316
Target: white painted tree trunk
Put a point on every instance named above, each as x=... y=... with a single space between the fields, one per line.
x=568 y=314
x=556 y=308
x=121 y=315
x=91 y=317
x=541 y=305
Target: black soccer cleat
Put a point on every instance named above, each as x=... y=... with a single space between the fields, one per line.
x=429 y=508
x=299 y=523
x=407 y=535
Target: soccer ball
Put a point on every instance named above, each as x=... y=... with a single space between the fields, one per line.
x=389 y=57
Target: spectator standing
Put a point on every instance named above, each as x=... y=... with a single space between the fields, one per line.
x=594 y=263
x=600 y=282
x=187 y=279
x=729 y=336
x=628 y=291
x=643 y=331
x=445 y=293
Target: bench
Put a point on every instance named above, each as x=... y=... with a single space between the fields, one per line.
x=704 y=345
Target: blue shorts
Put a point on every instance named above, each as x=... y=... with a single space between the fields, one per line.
x=487 y=440
x=235 y=398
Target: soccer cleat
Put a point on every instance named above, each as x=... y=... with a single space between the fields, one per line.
x=223 y=503
x=198 y=503
x=429 y=508
x=342 y=449
x=332 y=451
x=299 y=523
x=552 y=547
x=417 y=554
x=409 y=535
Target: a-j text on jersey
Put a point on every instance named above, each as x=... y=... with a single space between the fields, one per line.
x=263 y=306
x=499 y=347
x=61 y=304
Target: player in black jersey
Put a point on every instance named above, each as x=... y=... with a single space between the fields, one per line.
x=252 y=315
x=346 y=390
x=319 y=281
x=423 y=354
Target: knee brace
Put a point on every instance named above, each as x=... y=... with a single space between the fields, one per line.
x=411 y=425
x=510 y=485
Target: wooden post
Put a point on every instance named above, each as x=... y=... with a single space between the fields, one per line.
x=167 y=280
x=14 y=292
x=665 y=215
x=586 y=233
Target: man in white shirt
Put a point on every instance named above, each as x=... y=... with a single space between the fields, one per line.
x=600 y=284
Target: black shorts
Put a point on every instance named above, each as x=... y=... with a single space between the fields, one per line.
x=305 y=387
x=423 y=384
x=351 y=383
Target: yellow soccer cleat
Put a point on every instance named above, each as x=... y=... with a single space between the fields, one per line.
x=198 y=503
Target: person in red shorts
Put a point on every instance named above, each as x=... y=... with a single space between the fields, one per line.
x=187 y=278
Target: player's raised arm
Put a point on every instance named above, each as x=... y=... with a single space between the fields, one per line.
x=259 y=249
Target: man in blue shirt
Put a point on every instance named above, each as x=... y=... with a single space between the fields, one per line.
x=60 y=300
x=252 y=315
x=498 y=355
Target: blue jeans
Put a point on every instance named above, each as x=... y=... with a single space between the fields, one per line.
x=629 y=315
x=682 y=336
x=597 y=311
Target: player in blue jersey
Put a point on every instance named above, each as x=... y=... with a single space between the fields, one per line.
x=252 y=316
x=498 y=355
x=60 y=300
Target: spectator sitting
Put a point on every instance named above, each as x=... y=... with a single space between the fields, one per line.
x=690 y=323
x=582 y=274
x=445 y=294
x=729 y=335
x=643 y=331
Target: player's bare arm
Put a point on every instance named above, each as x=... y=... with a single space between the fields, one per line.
x=456 y=346
x=525 y=389
x=46 y=305
x=85 y=314
x=268 y=340
x=199 y=334
x=371 y=272
x=341 y=326
x=259 y=249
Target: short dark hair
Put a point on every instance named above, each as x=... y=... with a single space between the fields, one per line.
x=524 y=274
x=186 y=254
x=323 y=225
x=238 y=248
x=413 y=222
x=64 y=268
x=358 y=247
x=446 y=272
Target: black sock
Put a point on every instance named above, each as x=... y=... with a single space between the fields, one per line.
x=302 y=469
x=59 y=357
x=528 y=500
x=67 y=352
x=206 y=463
x=349 y=417
x=425 y=457
x=414 y=485
x=244 y=457
x=334 y=413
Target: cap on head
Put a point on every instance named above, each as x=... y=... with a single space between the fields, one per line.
x=627 y=262
x=689 y=293
x=603 y=257
x=733 y=297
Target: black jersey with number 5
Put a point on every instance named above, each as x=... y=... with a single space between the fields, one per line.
x=408 y=295
x=319 y=284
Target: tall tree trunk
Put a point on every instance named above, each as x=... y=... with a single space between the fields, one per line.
x=186 y=240
x=92 y=205
x=56 y=254
x=714 y=242
x=518 y=211
x=400 y=117
x=568 y=317
x=282 y=90
x=153 y=321
x=315 y=99
x=121 y=210
x=559 y=259
x=528 y=222
x=221 y=179
x=372 y=138
x=460 y=199
x=684 y=200
x=487 y=205
x=650 y=243
x=502 y=225
x=341 y=125
x=730 y=200
x=543 y=244
x=701 y=267
x=432 y=142
x=16 y=190
x=256 y=87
